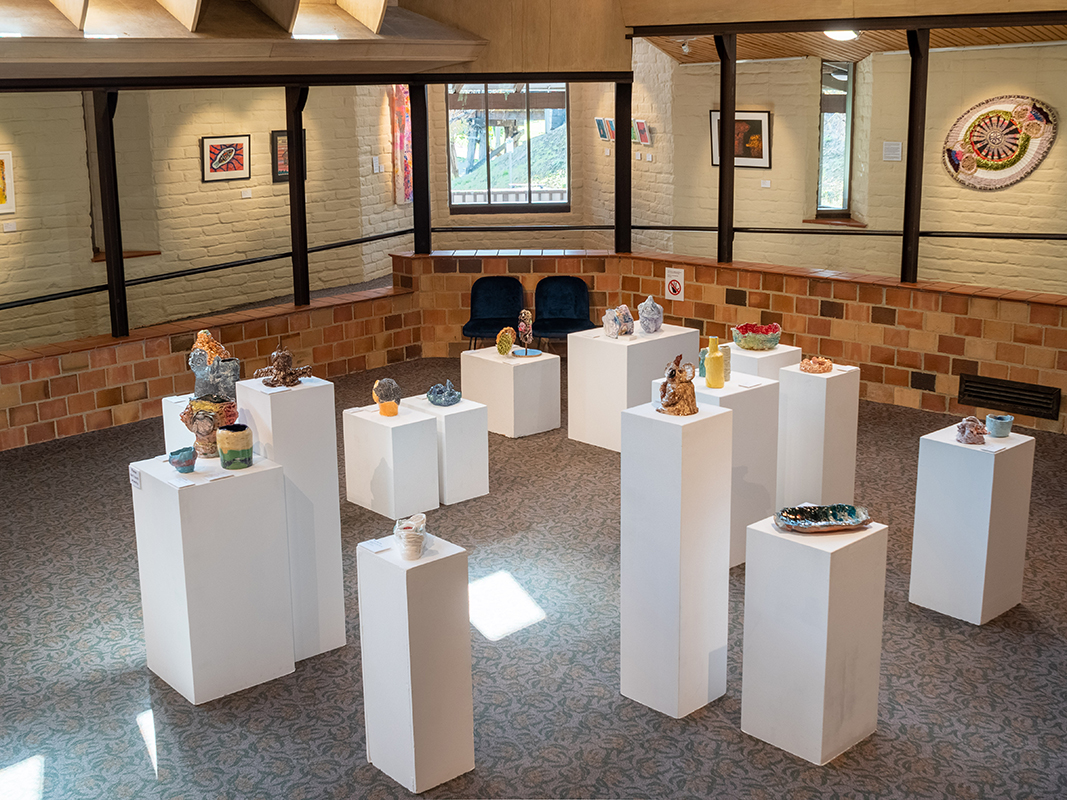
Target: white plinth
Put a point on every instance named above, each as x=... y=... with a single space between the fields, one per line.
x=606 y=376
x=813 y=638
x=462 y=447
x=213 y=559
x=675 y=557
x=818 y=417
x=415 y=641
x=764 y=363
x=972 y=508
x=391 y=462
x=175 y=434
x=754 y=401
x=522 y=394
x=296 y=427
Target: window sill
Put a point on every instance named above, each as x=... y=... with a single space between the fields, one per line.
x=840 y=222
x=520 y=208
x=101 y=256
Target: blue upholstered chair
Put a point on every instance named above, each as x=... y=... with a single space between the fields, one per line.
x=561 y=306
x=496 y=301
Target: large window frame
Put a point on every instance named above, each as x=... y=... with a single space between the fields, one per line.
x=835 y=103
x=528 y=206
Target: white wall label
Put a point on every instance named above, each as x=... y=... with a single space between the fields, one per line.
x=9 y=227
x=375 y=164
x=607 y=151
x=637 y=156
x=674 y=287
x=135 y=477
x=765 y=184
x=246 y=194
x=648 y=156
x=891 y=151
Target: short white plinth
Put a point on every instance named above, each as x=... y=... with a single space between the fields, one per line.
x=972 y=508
x=818 y=415
x=175 y=434
x=754 y=401
x=606 y=376
x=675 y=557
x=296 y=427
x=462 y=447
x=213 y=558
x=522 y=394
x=415 y=641
x=813 y=638
x=764 y=363
x=391 y=462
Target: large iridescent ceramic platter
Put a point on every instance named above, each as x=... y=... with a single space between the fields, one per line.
x=822 y=519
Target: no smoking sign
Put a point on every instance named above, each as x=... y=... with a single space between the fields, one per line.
x=675 y=284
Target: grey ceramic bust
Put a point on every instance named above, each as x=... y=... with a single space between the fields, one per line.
x=217 y=381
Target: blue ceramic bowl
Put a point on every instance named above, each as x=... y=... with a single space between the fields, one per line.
x=183 y=459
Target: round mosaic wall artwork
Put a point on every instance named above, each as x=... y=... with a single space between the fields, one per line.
x=999 y=142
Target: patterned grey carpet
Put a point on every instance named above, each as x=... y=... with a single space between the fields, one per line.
x=965 y=712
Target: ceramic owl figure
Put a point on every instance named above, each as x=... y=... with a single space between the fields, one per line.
x=676 y=393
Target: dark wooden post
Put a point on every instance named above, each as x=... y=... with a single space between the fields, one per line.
x=726 y=47
x=295 y=99
x=420 y=167
x=104 y=104
x=623 y=168
x=919 y=47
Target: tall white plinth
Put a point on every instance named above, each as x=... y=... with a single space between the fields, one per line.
x=972 y=508
x=764 y=363
x=522 y=394
x=175 y=434
x=213 y=559
x=414 y=631
x=462 y=447
x=391 y=462
x=606 y=376
x=675 y=557
x=818 y=415
x=754 y=401
x=813 y=638
x=295 y=427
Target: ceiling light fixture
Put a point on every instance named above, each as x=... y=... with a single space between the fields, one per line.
x=5 y=35
x=842 y=36
x=685 y=47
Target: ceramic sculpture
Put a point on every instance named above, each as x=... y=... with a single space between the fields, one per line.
x=999 y=425
x=726 y=352
x=235 y=446
x=443 y=394
x=203 y=418
x=611 y=323
x=526 y=335
x=971 y=431
x=757 y=337
x=677 y=395
x=216 y=372
x=816 y=365
x=700 y=362
x=386 y=394
x=411 y=536
x=822 y=519
x=651 y=315
x=626 y=320
x=281 y=371
x=183 y=459
x=714 y=374
x=504 y=340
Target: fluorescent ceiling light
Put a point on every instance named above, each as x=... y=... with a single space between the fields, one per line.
x=5 y=35
x=842 y=36
x=101 y=36
x=323 y=36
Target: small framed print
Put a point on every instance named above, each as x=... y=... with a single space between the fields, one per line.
x=279 y=155
x=602 y=129
x=7 y=184
x=643 y=134
x=752 y=139
x=225 y=158
x=611 y=129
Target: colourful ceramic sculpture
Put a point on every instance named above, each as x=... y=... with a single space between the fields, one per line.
x=235 y=446
x=816 y=365
x=216 y=372
x=526 y=336
x=504 y=340
x=183 y=459
x=726 y=353
x=677 y=395
x=281 y=371
x=443 y=394
x=971 y=431
x=651 y=315
x=626 y=320
x=611 y=323
x=386 y=394
x=714 y=372
x=204 y=418
x=757 y=337
x=411 y=536
x=822 y=519
x=999 y=425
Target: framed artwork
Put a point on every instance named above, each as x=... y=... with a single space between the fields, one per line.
x=752 y=139
x=403 y=180
x=643 y=134
x=602 y=128
x=225 y=158
x=279 y=155
x=611 y=129
x=7 y=184
x=633 y=131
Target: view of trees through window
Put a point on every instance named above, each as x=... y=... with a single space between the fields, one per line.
x=507 y=144
x=835 y=136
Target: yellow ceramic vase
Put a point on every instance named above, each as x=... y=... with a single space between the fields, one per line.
x=713 y=365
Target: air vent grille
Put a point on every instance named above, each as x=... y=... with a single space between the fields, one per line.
x=1014 y=396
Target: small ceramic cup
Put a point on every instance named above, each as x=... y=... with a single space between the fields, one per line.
x=183 y=459
x=235 y=446
x=999 y=425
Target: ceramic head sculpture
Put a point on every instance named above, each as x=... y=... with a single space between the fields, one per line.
x=651 y=315
x=443 y=394
x=386 y=394
x=816 y=365
x=281 y=371
x=504 y=340
x=677 y=395
x=204 y=418
x=971 y=431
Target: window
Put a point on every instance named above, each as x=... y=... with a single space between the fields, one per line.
x=507 y=147
x=835 y=139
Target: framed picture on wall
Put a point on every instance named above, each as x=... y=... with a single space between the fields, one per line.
x=7 y=184
x=643 y=134
x=279 y=156
x=611 y=128
x=602 y=128
x=752 y=139
x=225 y=158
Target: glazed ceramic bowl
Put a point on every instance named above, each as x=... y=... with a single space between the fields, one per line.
x=822 y=519
x=757 y=337
x=999 y=425
x=183 y=459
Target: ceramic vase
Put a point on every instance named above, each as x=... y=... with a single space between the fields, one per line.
x=411 y=536
x=726 y=353
x=235 y=446
x=714 y=371
x=999 y=425
x=183 y=459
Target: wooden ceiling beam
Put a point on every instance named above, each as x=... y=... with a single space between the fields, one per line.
x=74 y=10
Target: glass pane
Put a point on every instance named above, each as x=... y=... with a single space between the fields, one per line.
x=509 y=168
x=467 y=143
x=548 y=143
x=834 y=135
